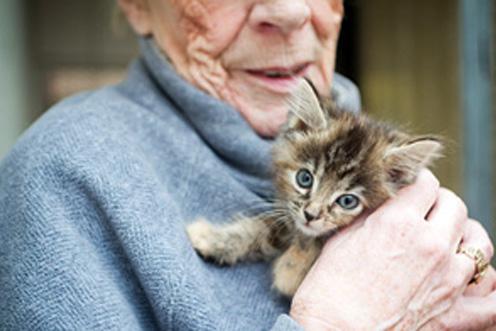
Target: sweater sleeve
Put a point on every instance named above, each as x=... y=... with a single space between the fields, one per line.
x=61 y=268
x=286 y=323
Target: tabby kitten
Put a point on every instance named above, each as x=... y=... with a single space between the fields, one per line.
x=329 y=166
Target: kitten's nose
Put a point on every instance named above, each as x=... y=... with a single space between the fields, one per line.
x=309 y=216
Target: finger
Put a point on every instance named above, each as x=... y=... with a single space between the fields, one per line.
x=417 y=198
x=449 y=217
x=485 y=287
x=476 y=236
x=462 y=271
x=473 y=313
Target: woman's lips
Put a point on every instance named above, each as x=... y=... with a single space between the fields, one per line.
x=278 y=79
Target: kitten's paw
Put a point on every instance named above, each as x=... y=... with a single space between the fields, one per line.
x=286 y=278
x=291 y=267
x=205 y=240
x=200 y=234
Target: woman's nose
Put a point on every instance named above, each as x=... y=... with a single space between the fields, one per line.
x=284 y=16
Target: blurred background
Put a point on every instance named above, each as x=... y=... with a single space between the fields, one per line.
x=426 y=65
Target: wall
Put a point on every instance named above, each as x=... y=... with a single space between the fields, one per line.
x=14 y=106
x=408 y=65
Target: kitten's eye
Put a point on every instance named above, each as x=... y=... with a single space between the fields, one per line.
x=304 y=178
x=348 y=201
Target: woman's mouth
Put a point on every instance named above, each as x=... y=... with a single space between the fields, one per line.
x=278 y=79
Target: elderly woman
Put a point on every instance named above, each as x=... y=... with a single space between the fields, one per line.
x=95 y=196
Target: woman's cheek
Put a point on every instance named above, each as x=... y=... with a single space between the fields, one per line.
x=326 y=17
x=225 y=23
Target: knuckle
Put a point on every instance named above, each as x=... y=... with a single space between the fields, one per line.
x=457 y=203
x=485 y=244
x=489 y=250
x=462 y=209
x=429 y=179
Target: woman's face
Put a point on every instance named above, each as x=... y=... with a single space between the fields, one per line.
x=249 y=53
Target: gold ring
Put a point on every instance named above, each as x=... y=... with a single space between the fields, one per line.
x=481 y=264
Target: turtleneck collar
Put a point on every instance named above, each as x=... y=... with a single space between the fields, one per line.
x=219 y=124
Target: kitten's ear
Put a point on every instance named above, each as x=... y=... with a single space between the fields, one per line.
x=404 y=162
x=305 y=110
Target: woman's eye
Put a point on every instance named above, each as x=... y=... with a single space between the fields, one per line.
x=304 y=178
x=348 y=201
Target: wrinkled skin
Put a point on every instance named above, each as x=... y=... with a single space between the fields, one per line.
x=217 y=42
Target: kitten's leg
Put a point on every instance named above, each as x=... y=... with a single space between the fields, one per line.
x=245 y=239
x=291 y=267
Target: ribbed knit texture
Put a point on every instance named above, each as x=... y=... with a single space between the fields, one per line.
x=94 y=199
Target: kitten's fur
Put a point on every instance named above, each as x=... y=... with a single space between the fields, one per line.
x=345 y=154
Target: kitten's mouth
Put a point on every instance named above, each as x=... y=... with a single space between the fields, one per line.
x=314 y=228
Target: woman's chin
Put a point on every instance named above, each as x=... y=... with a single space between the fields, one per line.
x=263 y=102
x=265 y=112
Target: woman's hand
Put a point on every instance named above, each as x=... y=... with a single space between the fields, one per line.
x=475 y=309
x=470 y=312
x=398 y=268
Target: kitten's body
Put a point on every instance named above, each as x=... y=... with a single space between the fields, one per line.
x=329 y=166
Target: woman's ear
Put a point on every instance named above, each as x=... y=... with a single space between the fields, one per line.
x=138 y=15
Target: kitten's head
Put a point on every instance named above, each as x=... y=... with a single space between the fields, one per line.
x=330 y=166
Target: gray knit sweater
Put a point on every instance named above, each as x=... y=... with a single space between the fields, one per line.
x=94 y=199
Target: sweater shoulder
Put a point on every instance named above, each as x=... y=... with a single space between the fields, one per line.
x=95 y=134
x=93 y=125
